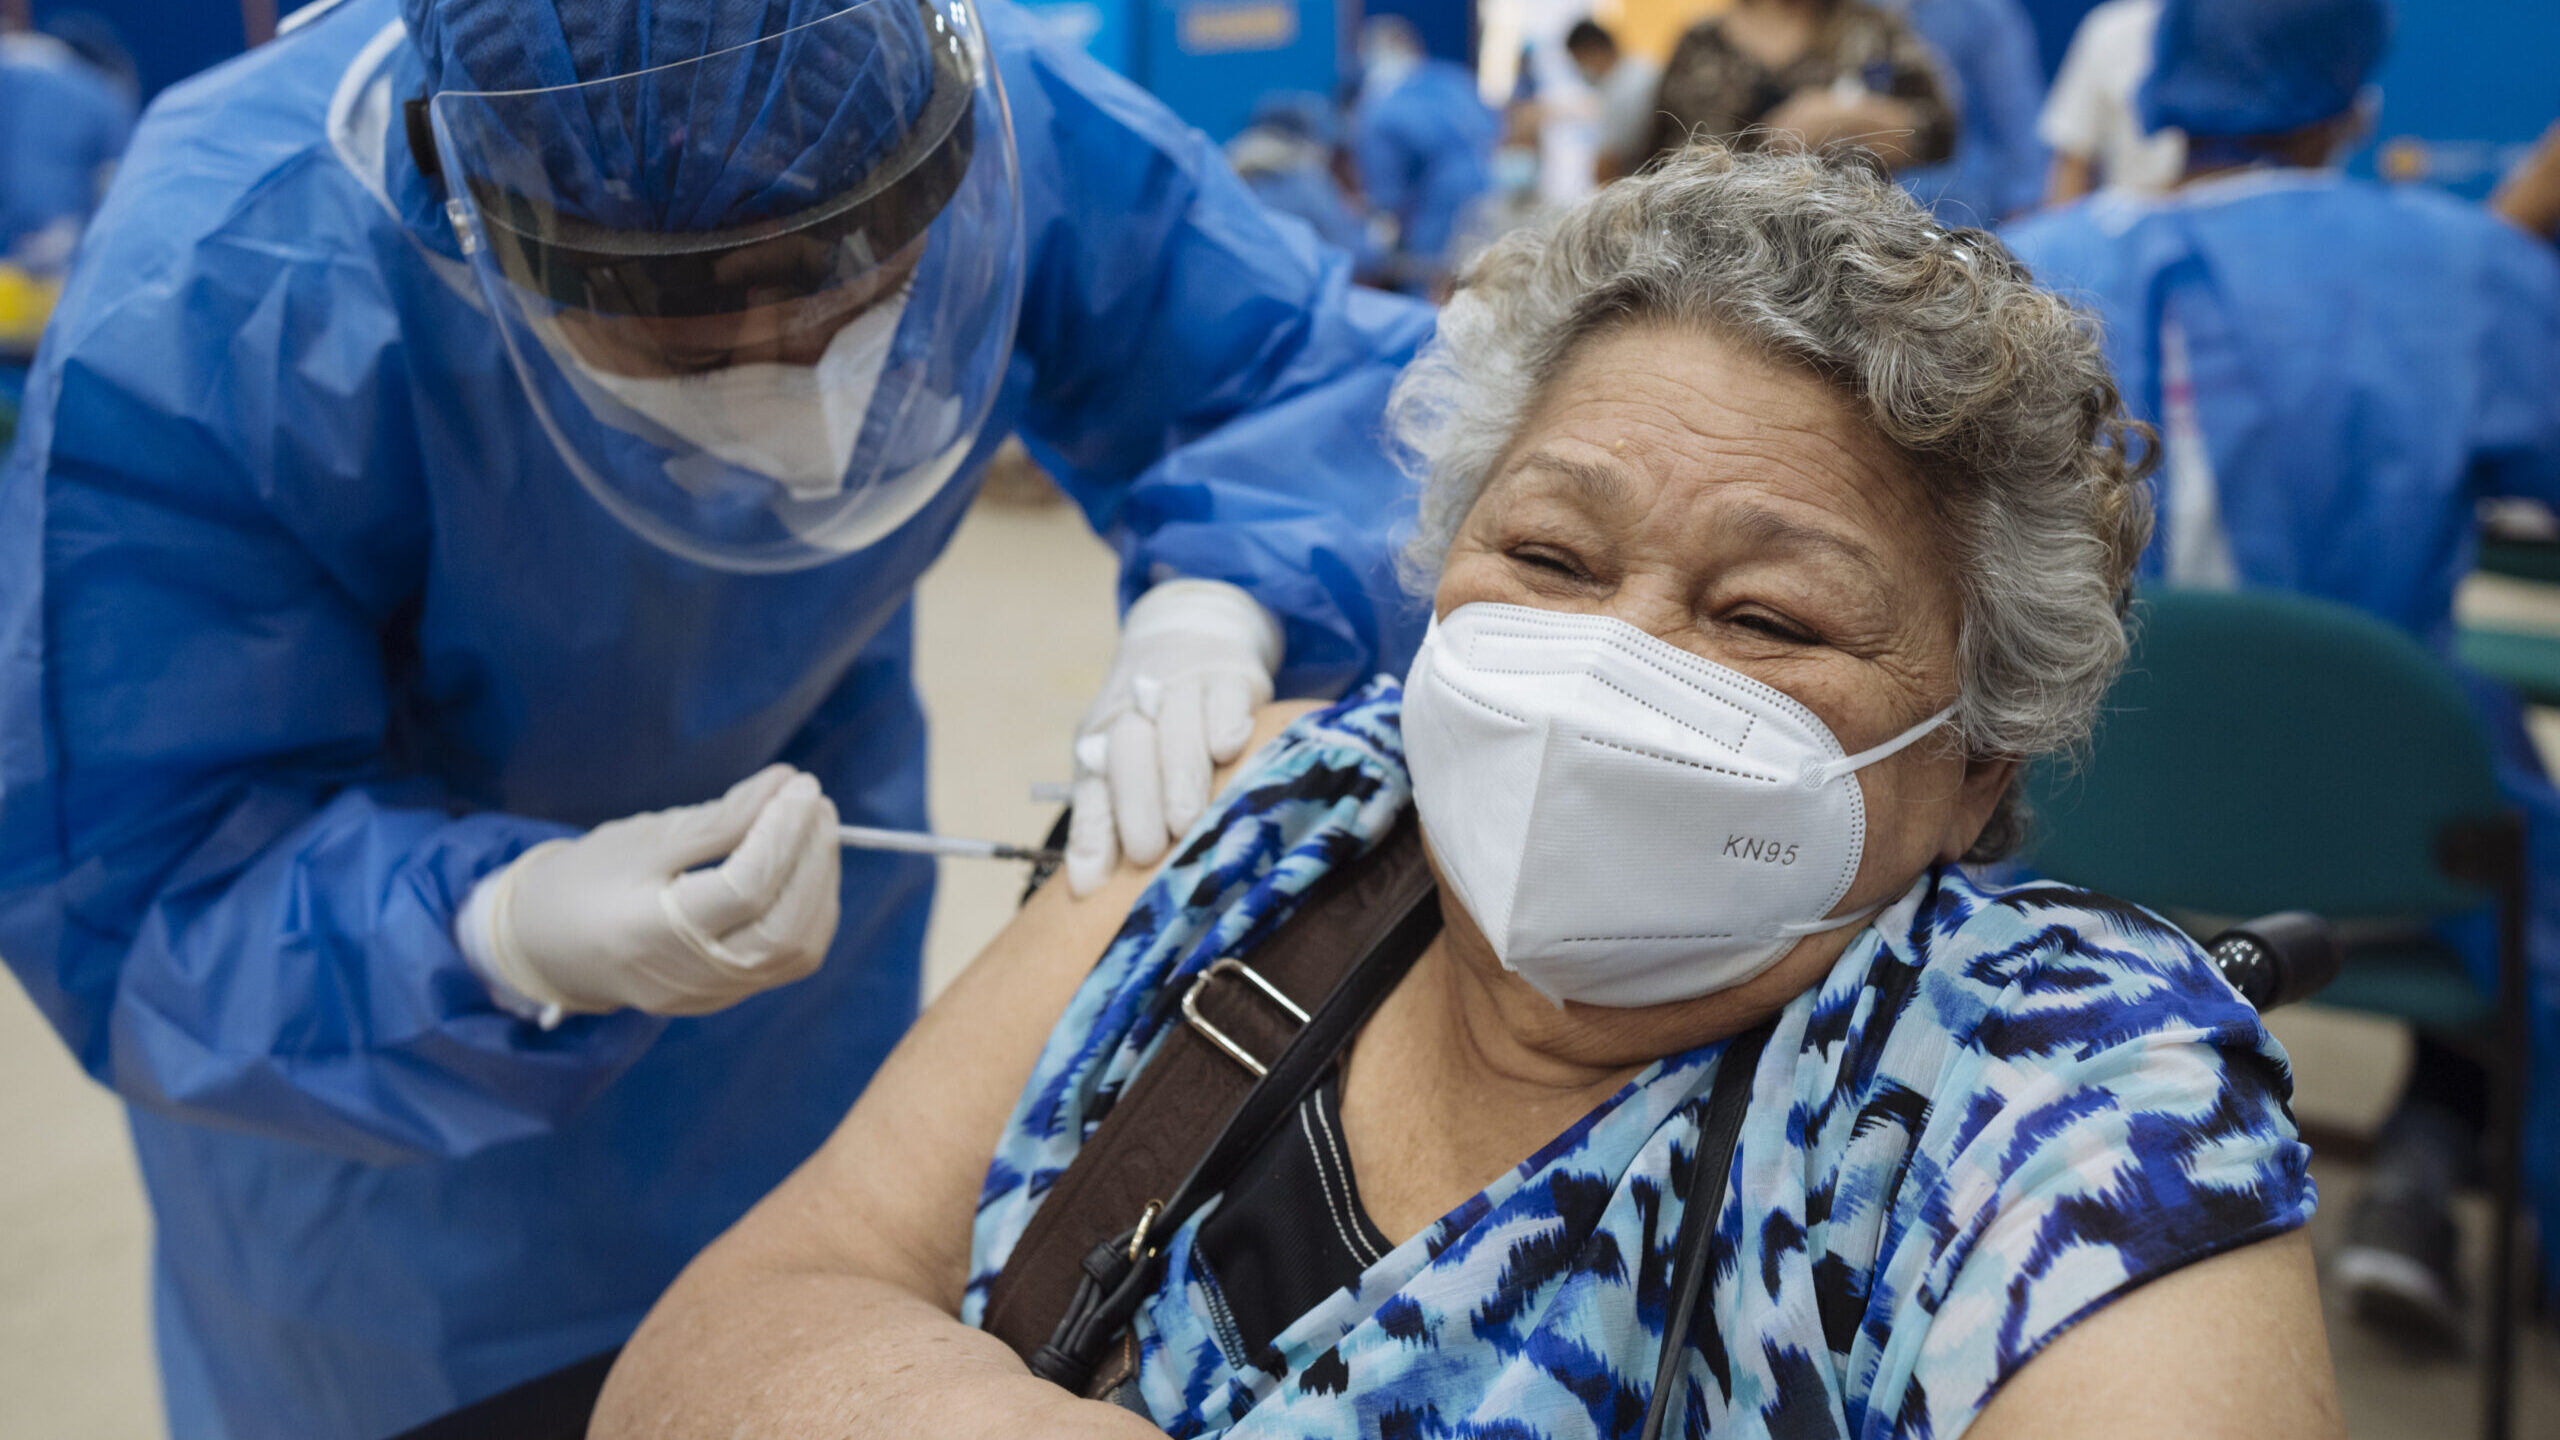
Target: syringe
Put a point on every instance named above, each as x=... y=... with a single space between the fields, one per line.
x=919 y=842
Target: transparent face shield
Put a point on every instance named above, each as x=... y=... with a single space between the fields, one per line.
x=762 y=300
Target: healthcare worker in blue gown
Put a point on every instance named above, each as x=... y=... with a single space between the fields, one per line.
x=1286 y=157
x=1422 y=141
x=1998 y=170
x=456 y=572
x=63 y=122
x=2340 y=372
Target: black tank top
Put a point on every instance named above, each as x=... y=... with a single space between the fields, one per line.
x=1289 y=1231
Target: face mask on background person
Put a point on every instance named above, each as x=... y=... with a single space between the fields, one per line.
x=1386 y=57
x=1628 y=824
x=796 y=424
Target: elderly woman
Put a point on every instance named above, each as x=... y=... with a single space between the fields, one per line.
x=1771 y=527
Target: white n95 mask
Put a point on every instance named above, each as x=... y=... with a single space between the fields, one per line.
x=796 y=425
x=1628 y=824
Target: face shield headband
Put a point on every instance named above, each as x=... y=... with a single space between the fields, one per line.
x=653 y=274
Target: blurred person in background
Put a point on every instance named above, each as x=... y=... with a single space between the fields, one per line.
x=1545 y=123
x=1625 y=86
x=2340 y=373
x=459 y=569
x=1824 y=71
x=95 y=38
x=1286 y=157
x=1422 y=142
x=63 y=123
x=2530 y=194
x=2089 y=117
x=1988 y=52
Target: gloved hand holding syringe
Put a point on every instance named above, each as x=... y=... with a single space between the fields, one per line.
x=681 y=911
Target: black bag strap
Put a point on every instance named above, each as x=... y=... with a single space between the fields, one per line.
x=1120 y=1272
x=1224 y=1026
x=1709 y=1171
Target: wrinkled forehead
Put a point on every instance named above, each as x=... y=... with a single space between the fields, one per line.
x=1682 y=426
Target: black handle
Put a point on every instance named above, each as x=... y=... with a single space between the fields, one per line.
x=2278 y=959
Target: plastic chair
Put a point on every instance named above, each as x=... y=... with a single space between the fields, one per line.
x=2267 y=751
x=2528 y=663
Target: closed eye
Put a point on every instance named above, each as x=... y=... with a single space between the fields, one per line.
x=1775 y=628
x=1553 y=562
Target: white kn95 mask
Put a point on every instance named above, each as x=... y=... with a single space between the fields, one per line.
x=797 y=425
x=1629 y=824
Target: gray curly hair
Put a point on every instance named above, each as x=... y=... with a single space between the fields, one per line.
x=1994 y=392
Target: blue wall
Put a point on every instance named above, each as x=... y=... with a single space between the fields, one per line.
x=1210 y=59
x=2467 y=87
x=2054 y=21
x=169 y=41
x=1447 y=27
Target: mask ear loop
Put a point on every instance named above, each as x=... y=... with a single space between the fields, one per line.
x=1819 y=773
x=1823 y=772
x=1800 y=928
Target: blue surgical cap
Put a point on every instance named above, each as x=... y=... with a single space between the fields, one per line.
x=749 y=134
x=2260 y=67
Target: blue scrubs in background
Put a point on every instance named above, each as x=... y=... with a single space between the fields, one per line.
x=2367 y=364
x=1286 y=159
x=1998 y=170
x=1307 y=190
x=305 y=627
x=1424 y=149
x=62 y=124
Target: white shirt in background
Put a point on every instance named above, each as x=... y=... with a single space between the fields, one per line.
x=1626 y=107
x=2089 y=112
x=2199 y=548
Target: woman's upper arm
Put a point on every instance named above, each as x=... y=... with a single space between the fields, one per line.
x=892 y=1194
x=2107 y=1117
x=2229 y=1346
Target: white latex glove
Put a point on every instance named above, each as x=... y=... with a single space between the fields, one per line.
x=1195 y=661
x=620 y=916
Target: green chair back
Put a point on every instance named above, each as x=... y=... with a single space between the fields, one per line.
x=2268 y=751
x=2526 y=663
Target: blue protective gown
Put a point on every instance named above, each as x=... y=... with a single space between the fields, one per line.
x=1424 y=150
x=2368 y=364
x=62 y=123
x=1309 y=192
x=305 y=628
x=1989 y=47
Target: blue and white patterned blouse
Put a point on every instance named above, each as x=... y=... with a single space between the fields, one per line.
x=2001 y=1109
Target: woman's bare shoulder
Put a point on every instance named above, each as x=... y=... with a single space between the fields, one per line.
x=1268 y=722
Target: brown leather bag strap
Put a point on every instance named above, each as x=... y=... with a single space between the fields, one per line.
x=1169 y=1116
